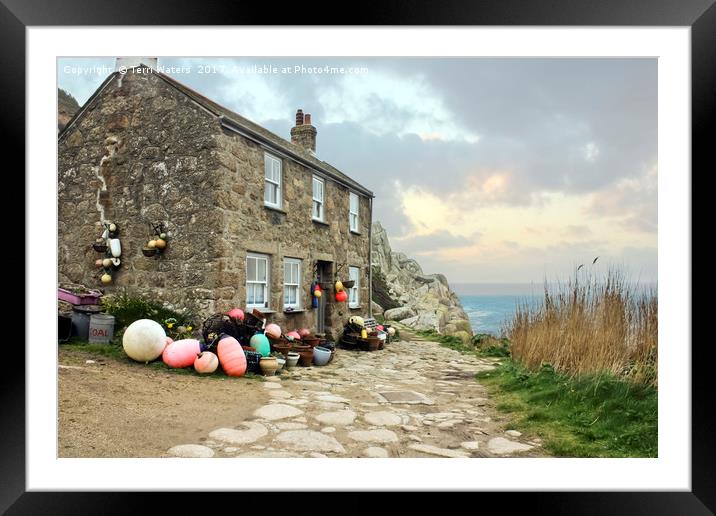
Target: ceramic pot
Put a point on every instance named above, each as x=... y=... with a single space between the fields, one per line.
x=306 y=357
x=282 y=347
x=269 y=366
x=292 y=359
x=321 y=356
x=281 y=363
x=311 y=341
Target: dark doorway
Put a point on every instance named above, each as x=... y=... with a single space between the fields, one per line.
x=324 y=272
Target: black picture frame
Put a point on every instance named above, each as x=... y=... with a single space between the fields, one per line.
x=700 y=15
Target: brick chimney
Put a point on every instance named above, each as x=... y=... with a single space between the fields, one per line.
x=303 y=133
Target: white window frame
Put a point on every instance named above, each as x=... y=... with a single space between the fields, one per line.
x=354 y=291
x=297 y=283
x=266 y=284
x=321 y=202
x=273 y=160
x=351 y=213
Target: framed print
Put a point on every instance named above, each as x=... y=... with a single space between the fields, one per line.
x=422 y=253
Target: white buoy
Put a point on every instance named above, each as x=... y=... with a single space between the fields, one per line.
x=115 y=247
x=144 y=340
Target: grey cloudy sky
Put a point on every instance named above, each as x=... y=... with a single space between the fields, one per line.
x=488 y=170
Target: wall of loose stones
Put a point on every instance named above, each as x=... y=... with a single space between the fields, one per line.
x=249 y=226
x=155 y=151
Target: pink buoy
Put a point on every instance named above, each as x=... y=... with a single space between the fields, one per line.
x=273 y=331
x=231 y=356
x=293 y=334
x=379 y=327
x=304 y=332
x=236 y=313
x=181 y=353
x=206 y=362
x=168 y=341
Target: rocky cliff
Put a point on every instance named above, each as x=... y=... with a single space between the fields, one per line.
x=424 y=301
x=67 y=106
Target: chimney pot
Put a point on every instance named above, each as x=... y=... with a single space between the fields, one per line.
x=303 y=133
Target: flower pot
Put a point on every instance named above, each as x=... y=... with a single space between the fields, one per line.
x=268 y=365
x=311 y=341
x=321 y=356
x=373 y=343
x=100 y=248
x=281 y=363
x=349 y=284
x=149 y=251
x=282 y=347
x=306 y=359
x=292 y=359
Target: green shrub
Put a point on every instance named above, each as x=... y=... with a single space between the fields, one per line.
x=126 y=309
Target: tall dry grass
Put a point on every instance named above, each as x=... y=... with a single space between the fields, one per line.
x=590 y=325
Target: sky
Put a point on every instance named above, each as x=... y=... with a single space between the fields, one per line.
x=488 y=170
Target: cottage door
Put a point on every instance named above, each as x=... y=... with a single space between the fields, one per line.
x=325 y=271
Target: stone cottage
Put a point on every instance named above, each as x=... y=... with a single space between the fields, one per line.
x=252 y=219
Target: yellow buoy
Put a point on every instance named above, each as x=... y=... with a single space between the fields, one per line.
x=339 y=286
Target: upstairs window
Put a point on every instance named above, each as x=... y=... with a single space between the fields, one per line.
x=272 y=183
x=318 y=191
x=353 y=212
x=257 y=280
x=353 y=292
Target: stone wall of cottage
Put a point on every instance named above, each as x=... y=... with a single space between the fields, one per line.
x=250 y=226
x=142 y=153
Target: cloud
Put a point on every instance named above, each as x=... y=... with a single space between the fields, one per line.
x=389 y=104
x=430 y=243
x=630 y=201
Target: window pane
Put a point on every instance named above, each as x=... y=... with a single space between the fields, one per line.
x=250 y=269
x=277 y=171
x=317 y=189
x=250 y=294
x=260 y=293
x=285 y=296
x=270 y=193
x=261 y=269
x=354 y=203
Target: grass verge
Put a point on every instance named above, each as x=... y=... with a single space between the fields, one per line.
x=484 y=344
x=581 y=416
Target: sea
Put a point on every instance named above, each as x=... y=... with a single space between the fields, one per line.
x=489 y=314
x=490 y=306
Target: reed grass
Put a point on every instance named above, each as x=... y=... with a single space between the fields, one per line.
x=590 y=325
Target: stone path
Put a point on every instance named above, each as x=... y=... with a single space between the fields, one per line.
x=412 y=399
